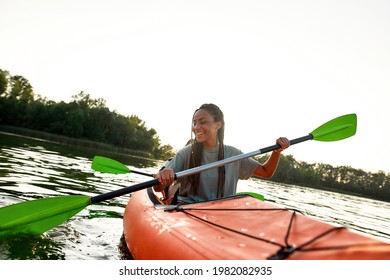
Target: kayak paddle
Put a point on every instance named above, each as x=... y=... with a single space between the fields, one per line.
x=111 y=166
x=108 y=165
x=38 y=216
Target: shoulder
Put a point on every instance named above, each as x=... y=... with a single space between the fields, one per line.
x=231 y=151
x=184 y=153
x=185 y=150
x=180 y=159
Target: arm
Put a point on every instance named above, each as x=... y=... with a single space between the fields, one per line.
x=267 y=169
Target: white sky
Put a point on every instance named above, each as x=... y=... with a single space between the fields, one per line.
x=276 y=68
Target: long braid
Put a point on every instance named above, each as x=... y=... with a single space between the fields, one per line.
x=221 y=155
x=197 y=151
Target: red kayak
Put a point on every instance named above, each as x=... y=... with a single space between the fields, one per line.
x=237 y=227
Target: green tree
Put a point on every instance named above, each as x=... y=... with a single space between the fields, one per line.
x=287 y=169
x=97 y=123
x=37 y=116
x=57 y=113
x=74 y=123
x=21 y=89
x=164 y=152
x=120 y=133
x=85 y=101
x=3 y=82
x=327 y=174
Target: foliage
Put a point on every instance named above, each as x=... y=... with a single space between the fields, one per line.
x=324 y=176
x=84 y=118
x=3 y=81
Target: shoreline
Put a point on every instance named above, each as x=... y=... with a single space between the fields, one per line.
x=73 y=142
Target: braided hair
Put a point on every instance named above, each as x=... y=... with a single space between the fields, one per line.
x=197 y=151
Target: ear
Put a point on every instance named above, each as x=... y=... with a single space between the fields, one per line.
x=219 y=124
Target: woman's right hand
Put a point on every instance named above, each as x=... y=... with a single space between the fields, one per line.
x=165 y=177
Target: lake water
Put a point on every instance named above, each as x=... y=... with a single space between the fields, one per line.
x=33 y=169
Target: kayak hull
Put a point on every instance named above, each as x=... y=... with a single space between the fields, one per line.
x=237 y=227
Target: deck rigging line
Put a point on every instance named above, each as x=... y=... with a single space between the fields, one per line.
x=284 y=249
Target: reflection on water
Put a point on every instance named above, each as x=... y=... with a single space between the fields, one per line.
x=31 y=248
x=32 y=169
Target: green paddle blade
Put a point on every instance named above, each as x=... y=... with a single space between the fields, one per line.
x=107 y=165
x=254 y=195
x=38 y=216
x=336 y=129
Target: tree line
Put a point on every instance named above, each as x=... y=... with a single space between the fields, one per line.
x=344 y=179
x=88 y=118
x=83 y=118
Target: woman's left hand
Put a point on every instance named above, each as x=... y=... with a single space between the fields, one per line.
x=283 y=142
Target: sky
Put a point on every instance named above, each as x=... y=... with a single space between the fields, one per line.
x=275 y=68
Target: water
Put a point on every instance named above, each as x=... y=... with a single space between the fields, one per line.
x=34 y=169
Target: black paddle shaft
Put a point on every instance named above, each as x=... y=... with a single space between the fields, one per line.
x=292 y=142
x=119 y=192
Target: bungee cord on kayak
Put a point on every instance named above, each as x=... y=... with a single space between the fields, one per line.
x=285 y=249
x=237 y=227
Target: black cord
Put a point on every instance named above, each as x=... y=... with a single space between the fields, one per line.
x=285 y=250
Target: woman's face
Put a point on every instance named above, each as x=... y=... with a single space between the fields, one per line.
x=205 y=128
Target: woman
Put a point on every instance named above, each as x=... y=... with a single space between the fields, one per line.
x=208 y=126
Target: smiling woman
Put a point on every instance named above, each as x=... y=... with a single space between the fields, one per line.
x=208 y=126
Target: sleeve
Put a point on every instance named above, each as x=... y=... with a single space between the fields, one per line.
x=178 y=161
x=247 y=168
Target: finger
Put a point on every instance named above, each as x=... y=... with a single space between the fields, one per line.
x=283 y=142
x=163 y=178
x=158 y=177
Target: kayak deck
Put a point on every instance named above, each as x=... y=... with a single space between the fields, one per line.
x=237 y=227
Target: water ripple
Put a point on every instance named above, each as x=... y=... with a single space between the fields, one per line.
x=33 y=169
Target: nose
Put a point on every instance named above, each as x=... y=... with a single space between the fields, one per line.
x=195 y=126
